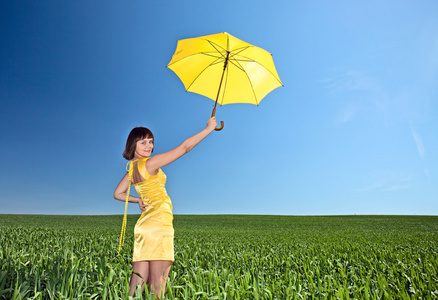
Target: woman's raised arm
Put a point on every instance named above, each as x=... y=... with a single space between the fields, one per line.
x=161 y=160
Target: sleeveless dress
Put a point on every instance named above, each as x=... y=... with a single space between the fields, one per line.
x=153 y=232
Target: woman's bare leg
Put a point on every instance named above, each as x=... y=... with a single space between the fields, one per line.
x=158 y=273
x=139 y=275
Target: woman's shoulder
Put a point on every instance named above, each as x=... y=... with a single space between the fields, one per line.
x=141 y=159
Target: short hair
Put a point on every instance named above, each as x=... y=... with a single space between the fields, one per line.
x=136 y=134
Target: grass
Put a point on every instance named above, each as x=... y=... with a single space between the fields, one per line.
x=226 y=257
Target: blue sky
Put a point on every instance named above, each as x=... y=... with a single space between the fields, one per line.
x=353 y=131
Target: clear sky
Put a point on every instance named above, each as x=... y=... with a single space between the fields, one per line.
x=354 y=130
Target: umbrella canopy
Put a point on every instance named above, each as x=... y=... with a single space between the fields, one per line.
x=225 y=69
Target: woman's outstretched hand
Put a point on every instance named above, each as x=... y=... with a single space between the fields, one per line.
x=211 y=123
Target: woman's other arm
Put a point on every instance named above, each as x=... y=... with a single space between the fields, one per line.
x=120 y=193
x=161 y=160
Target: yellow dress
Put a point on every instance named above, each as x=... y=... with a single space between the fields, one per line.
x=153 y=232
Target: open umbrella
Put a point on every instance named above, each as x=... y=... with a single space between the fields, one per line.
x=225 y=69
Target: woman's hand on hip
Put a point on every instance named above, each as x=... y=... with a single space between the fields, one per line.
x=142 y=205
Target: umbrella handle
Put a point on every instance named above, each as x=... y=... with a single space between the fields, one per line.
x=220 y=128
x=212 y=114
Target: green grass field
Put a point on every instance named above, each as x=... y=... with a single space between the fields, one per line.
x=226 y=257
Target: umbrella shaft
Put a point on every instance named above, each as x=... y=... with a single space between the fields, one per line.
x=220 y=84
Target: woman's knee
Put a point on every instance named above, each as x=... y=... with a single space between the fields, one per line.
x=140 y=270
x=138 y=277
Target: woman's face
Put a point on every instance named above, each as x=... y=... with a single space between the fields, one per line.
x=144 y=148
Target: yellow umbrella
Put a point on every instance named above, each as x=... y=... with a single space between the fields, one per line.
x=225 y=69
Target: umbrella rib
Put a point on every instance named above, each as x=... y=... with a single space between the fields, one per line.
x=250 y=60
x=217 y=61
x=211 y=54
x=219 y=46
x=213 y=45
x=235 y=52
x=235 y=61
x=240 y=59
x=249 y=80
x=203 y=53
x=199 y=74
x=237 y=65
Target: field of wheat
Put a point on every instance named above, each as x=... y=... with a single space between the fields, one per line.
x=226 y=257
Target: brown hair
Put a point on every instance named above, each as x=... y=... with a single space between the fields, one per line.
x=136 y=134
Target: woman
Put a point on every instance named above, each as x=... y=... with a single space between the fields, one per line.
x=153 y=232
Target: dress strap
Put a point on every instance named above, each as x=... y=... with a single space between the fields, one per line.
x=141 y=167
x=125 y=218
